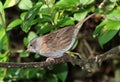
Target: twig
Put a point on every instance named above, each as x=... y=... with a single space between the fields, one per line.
x=102 y=4
x=89 y=48
x=107 y=55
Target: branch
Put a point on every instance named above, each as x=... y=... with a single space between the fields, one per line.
x=114 y=52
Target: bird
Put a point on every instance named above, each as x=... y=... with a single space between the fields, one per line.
x=55 y=44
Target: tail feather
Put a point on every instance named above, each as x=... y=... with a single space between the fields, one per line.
x=79 y=25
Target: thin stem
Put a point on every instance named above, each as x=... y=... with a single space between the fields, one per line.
x=2 y=21
x=102 y=4
x=50 y=12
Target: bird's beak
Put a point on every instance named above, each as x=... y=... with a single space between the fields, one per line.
x=28 y=50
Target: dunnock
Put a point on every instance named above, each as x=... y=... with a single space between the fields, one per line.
x=55 y=44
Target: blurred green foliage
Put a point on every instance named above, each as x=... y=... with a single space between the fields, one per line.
x=47 y=16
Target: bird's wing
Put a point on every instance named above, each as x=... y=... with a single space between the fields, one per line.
x=57 y=40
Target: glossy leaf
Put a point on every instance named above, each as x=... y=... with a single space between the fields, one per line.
x=25 y=4
x=55 y=16
x=2 y=15
x=86 y=2
x=3 y=42
x=67 y=3
x=114 y=17
x=45 y=10
x=2 y=32
x=10 y=3
x=44 y=28
x=66 y=22
x=113 y=0
x=25 y=41
x=80 y=16
x=29 y=18
x=46 y=18
x=22 y=15
x=4 y=57
x=108 y=28
x=31 y=35
x=14 y=24
x=99 y=28
x=51 y=2
x=115 y=11
x=108 y=32
x=2 y=76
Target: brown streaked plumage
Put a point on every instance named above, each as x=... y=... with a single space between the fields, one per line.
x=55 y=44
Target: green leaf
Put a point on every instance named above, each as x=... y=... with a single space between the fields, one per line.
x=2 y=32
x=44 y=28
x=2 y=76
x=113 y=1
x=108 y=28
x=108 y=32
x=99 y=28
x=2 y=56
x=45 y=10
x=86 y=2
x=25 y=41
x=37 y=56
x=29 y=18
x=3 y=43
x=51 y=2
x=31 y=35
x=61 y=71
x=2 y=15
x=46 y=18
x=22 y=15
x=55 y=16
x=114 y=17
x=14 y=24
x=25 y=4
x=10 y=3
x=65 y=22
x=116 y=11
x=67 y=3
x=24 y=54
x=80 y=16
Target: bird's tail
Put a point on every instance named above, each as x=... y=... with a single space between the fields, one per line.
x=79 y=25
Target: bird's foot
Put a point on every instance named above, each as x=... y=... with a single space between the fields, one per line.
x=49 y=59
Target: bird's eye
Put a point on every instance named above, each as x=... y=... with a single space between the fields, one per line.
x=31 y=45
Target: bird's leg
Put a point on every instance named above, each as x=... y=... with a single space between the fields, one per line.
x=49 y=59
x=74 y=54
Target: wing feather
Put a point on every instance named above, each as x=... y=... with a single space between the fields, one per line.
x=57 y=40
